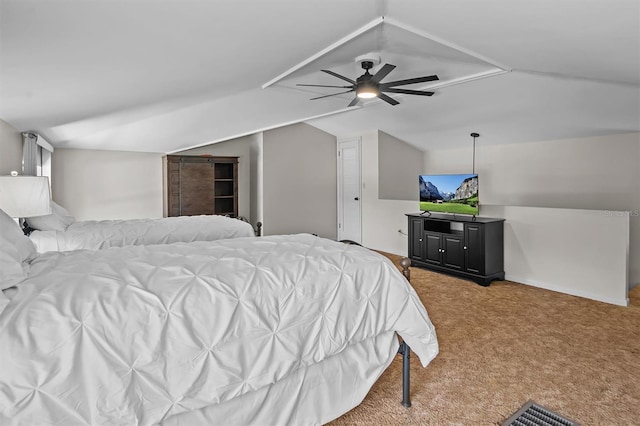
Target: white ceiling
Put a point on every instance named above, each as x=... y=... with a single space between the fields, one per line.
x=166 y=75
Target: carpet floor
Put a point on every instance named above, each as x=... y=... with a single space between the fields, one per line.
x=508 y=343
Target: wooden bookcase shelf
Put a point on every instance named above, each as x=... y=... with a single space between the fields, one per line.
x=195 y=185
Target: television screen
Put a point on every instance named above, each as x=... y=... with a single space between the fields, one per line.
x=449 y=193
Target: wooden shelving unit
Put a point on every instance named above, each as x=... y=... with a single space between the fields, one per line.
x=195 y=185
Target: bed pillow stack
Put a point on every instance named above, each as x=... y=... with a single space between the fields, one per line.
x=16 y=250
x=58 y=220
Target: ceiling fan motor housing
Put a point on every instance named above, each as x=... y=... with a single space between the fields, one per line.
x=367 y=65
x=365 y=87
x=364 y=77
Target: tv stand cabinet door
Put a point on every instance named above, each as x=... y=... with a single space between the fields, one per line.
x=433 y=248
x=452 y=252
x=474 y=248
x=416 y=239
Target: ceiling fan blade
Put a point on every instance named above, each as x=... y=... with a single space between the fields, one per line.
x=322 y=85
x=339 y=76
x=354 y=102
x=388 y=99
x=409 y=81
x=383 y=72
x=333 y=94
x=408 y=92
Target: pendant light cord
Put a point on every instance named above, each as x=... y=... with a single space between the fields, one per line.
x=473 y=167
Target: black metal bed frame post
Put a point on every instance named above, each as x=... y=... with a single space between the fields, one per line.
x=405 y=351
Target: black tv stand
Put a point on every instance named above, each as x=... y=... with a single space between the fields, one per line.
x=469 y=247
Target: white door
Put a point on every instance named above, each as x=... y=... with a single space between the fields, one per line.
x=349 y=196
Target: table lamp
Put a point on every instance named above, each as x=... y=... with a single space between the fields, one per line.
x=25 y=196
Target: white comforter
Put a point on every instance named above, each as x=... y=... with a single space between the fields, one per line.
x=95 y=235
x=138 y=335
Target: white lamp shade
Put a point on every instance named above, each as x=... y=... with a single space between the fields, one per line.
x=25 y=196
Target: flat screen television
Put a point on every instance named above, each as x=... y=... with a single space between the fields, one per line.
x=456 y=194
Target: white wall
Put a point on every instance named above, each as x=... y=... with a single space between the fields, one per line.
x=94 y=184
x=598 y=173
x=574 y=251
x=241 y=148
x=299 y=181
x=10 y=149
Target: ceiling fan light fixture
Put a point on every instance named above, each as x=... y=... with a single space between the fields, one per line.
x=367 y=92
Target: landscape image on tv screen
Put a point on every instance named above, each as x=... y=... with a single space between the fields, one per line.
x=449 y=193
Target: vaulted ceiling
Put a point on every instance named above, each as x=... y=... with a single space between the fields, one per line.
x=167 y=75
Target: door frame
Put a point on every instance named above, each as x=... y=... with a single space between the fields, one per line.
x=340 y=212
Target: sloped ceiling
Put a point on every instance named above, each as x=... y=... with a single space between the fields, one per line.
x=163 y=76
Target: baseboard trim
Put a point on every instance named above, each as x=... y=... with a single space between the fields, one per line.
x=566 y=290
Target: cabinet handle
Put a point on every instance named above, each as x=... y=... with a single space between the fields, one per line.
x=420 y=240
x=465 y=247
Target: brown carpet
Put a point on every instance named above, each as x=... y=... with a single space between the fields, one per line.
x=503 y=345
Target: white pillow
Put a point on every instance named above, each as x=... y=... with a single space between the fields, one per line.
x=58 y=220
x=16 y=250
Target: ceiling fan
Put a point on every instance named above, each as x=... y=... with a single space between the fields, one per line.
x=369 y=86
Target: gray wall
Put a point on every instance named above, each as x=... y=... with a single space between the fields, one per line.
x=299 y=181
x=10 y=149
x=256 y=197
x=384 y=224
x=95 y=184
x=399 y=165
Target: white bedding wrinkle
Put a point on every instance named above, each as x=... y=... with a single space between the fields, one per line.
x=142 y=334
x=16 y=251
x=4 y=300
x=58 y=220
x=96 y=235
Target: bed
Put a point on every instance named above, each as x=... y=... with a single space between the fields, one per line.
x=60 y=232
x=288 y=329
